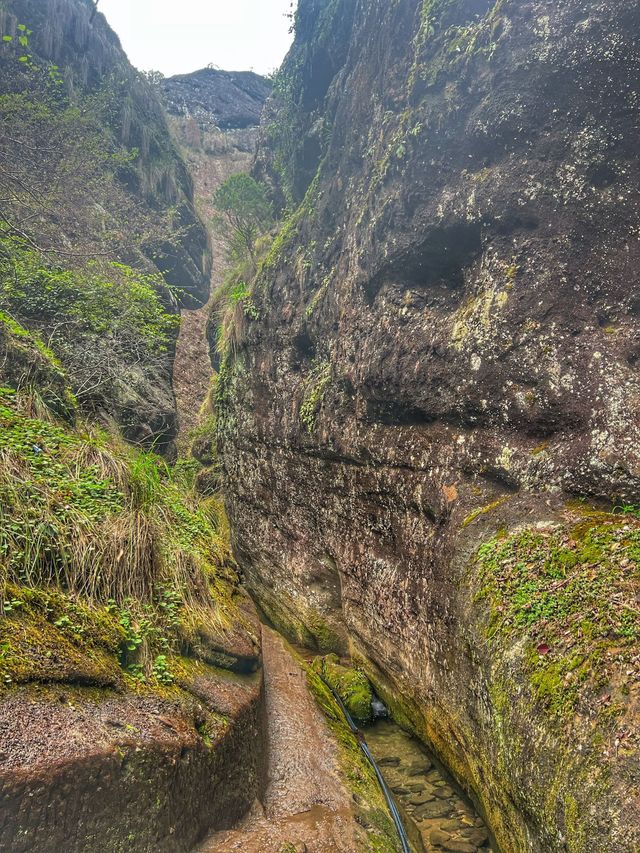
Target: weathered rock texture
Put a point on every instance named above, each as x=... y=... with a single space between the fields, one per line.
x=83 y=771
x=228 y=100
x=447 y=350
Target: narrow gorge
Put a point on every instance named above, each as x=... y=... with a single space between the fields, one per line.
x=319 y=434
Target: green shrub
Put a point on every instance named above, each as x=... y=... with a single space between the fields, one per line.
x=95 y=320
x=245 y=214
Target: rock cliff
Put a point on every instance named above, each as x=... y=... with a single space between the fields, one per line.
x=435 y=409
x=227 y=100
x=92 y=179
x=90 y=59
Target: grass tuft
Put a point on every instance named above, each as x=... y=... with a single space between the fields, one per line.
x=112 y=527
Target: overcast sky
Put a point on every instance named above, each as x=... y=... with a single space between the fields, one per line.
x=178 y=36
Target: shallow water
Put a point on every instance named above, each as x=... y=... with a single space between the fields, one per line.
x=444 y=819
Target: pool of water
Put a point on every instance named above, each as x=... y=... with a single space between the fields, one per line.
x=440 y=817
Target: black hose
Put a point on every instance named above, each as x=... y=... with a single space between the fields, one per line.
x=395 y=814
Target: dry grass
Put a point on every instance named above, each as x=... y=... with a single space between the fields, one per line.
x=102 y=521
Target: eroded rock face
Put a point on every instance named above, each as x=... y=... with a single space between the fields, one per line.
x=228 y=100
x=139 y=773
x=446 y=356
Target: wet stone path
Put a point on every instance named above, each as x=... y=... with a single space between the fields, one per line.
x=306 y=804
x=445 y=820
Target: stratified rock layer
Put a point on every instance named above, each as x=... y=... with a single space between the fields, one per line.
x=446 y=358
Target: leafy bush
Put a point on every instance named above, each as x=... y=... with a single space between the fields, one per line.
x=245 y=214
x=96 y=320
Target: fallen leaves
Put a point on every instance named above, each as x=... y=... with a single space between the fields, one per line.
x=450 y=493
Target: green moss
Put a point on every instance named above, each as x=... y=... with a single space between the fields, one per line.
x=319 y=294
x=483 y=510
x=380 y=833
x=310 y=629
x=576 y=835
x=289 y=229
x=317 y=383
x=325 y=638
x=46 y=635
x=454 y=45
x=351 y=685
x=567 y=594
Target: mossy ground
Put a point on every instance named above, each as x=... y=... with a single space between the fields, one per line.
x=109 y=561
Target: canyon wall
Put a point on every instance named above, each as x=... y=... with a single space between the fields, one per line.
x=131 y=695
x=435 y=409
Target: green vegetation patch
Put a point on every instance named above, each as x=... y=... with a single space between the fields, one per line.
x=351 y=685
x=318 y=381
x=97 y=318
x=572 y=596
x=117 y=531
x=47 y=499
x=371 y=808
x=97 y=298
x=483 y=510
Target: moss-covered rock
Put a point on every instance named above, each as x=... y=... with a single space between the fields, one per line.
x=351 y=685
x=46 y=636
x=468 y=224
x=373 y=814
x=569 y=593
